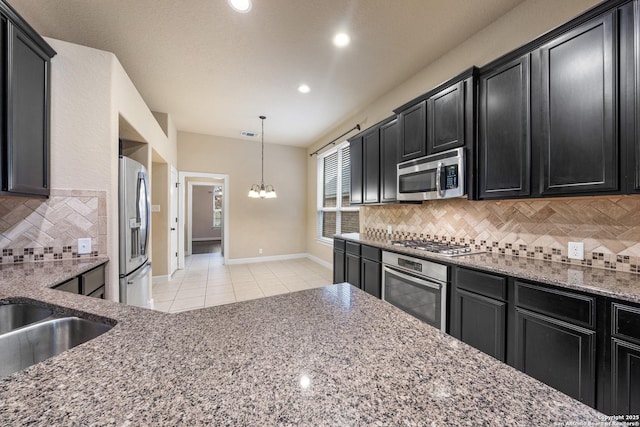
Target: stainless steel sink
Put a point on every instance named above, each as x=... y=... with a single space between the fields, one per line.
x=14 y=316
x=29 y=345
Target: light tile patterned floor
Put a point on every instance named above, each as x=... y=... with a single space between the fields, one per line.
x=206 y=282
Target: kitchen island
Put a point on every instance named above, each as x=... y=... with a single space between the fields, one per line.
x=326 y=356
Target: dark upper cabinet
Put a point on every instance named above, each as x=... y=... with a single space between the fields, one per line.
x=389 y=158
x=445 y=116
x=574 y=98
x=413 y=131
x=355 y=154
x=504 y=143
x=24 y=121
x=371 y=166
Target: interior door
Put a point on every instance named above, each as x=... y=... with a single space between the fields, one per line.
x=173 y=222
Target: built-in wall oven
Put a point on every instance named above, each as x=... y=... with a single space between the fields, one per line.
x=416 y=286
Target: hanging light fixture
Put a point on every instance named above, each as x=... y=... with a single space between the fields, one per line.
x=262 y=191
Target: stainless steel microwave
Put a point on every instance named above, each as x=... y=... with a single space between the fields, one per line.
x=439 y=176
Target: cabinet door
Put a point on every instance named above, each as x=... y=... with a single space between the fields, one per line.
x=28 y=117
x=71 y=286
x=557 y=353
x=355 y=157
x=446 y=119
x=504 y=144
x=625 y=374
x=92 y=280
x=352 y=269
x=338 y=266
x=371 y=166
x=573 y=110
x=413 y=131
x=480 y=322
x=389 y=162
x=371 y=277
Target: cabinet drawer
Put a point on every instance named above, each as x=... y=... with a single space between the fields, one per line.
x=339 y=244
x=72 y=285
x=626 y=322
x=371 y=253
x=482 y=283
x=353 y=248
x=92 y=280
x=574 y=308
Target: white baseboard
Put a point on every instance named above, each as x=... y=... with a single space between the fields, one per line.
x=159 y=279
x=320 y=261
x=265 y=259
x=279 y=258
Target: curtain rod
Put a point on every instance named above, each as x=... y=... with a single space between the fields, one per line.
x=356 y=127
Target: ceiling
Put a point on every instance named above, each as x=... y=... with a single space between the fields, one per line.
x=215 y=70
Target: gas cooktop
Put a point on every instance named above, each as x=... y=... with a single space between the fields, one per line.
x=442 y=248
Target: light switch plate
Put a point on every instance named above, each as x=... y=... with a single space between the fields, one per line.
x=84 y=246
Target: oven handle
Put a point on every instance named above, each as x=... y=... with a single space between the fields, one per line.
x=419 y=280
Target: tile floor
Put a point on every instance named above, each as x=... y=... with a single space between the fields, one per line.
x=206 y=282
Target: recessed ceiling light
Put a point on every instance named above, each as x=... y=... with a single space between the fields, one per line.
x=341 y=39
x=304 y=88
x=242 y=6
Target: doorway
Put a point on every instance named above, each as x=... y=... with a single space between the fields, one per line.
x=205 y=216
x=187 y=181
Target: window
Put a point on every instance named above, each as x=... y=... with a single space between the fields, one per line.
x=335 y=215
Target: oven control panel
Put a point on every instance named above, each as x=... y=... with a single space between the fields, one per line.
x=411 y=265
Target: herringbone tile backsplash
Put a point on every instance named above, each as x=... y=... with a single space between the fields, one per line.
x=49 y=229
x=540 y=228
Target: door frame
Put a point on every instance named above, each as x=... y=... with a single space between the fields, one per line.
x=182 y=232
x=174 y=215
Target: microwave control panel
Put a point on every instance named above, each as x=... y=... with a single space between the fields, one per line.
x=451 y=177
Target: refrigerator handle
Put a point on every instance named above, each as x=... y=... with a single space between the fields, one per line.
x=142 y=211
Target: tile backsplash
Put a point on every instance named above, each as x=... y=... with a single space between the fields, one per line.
x=536 y=228
x=48 y=229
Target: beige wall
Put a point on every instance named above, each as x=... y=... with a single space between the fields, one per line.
x=90 y=91
x=519 y=26
x=160 y=220
x=275 y=225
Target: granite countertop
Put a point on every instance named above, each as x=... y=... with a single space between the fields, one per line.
x=327 y=356
x=609 y=283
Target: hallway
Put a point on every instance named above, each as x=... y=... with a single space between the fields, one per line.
x=206 y=282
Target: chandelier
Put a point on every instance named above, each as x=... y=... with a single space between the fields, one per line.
x=262 y=191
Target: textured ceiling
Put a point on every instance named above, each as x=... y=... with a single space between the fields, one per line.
x=215 y=70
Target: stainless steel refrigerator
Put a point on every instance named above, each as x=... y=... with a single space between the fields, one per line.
x=135 y=269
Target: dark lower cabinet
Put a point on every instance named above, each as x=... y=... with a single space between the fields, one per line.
x=478 y=311
x=90 y=283
x=557 y=353
x=481 y=323
x=625 y=376
x=352 y=264
x=338 y=266
x=504 y=143
x=371 y=270
x=574 y=98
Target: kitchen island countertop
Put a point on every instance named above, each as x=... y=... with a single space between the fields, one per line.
x=327 y=356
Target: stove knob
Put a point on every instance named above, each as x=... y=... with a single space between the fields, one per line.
x=467 y=249
x=455 y=251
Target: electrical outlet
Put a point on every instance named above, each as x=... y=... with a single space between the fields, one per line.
x=389 y=229
x=575 y=250
x=84 y=246
x=260 y=251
